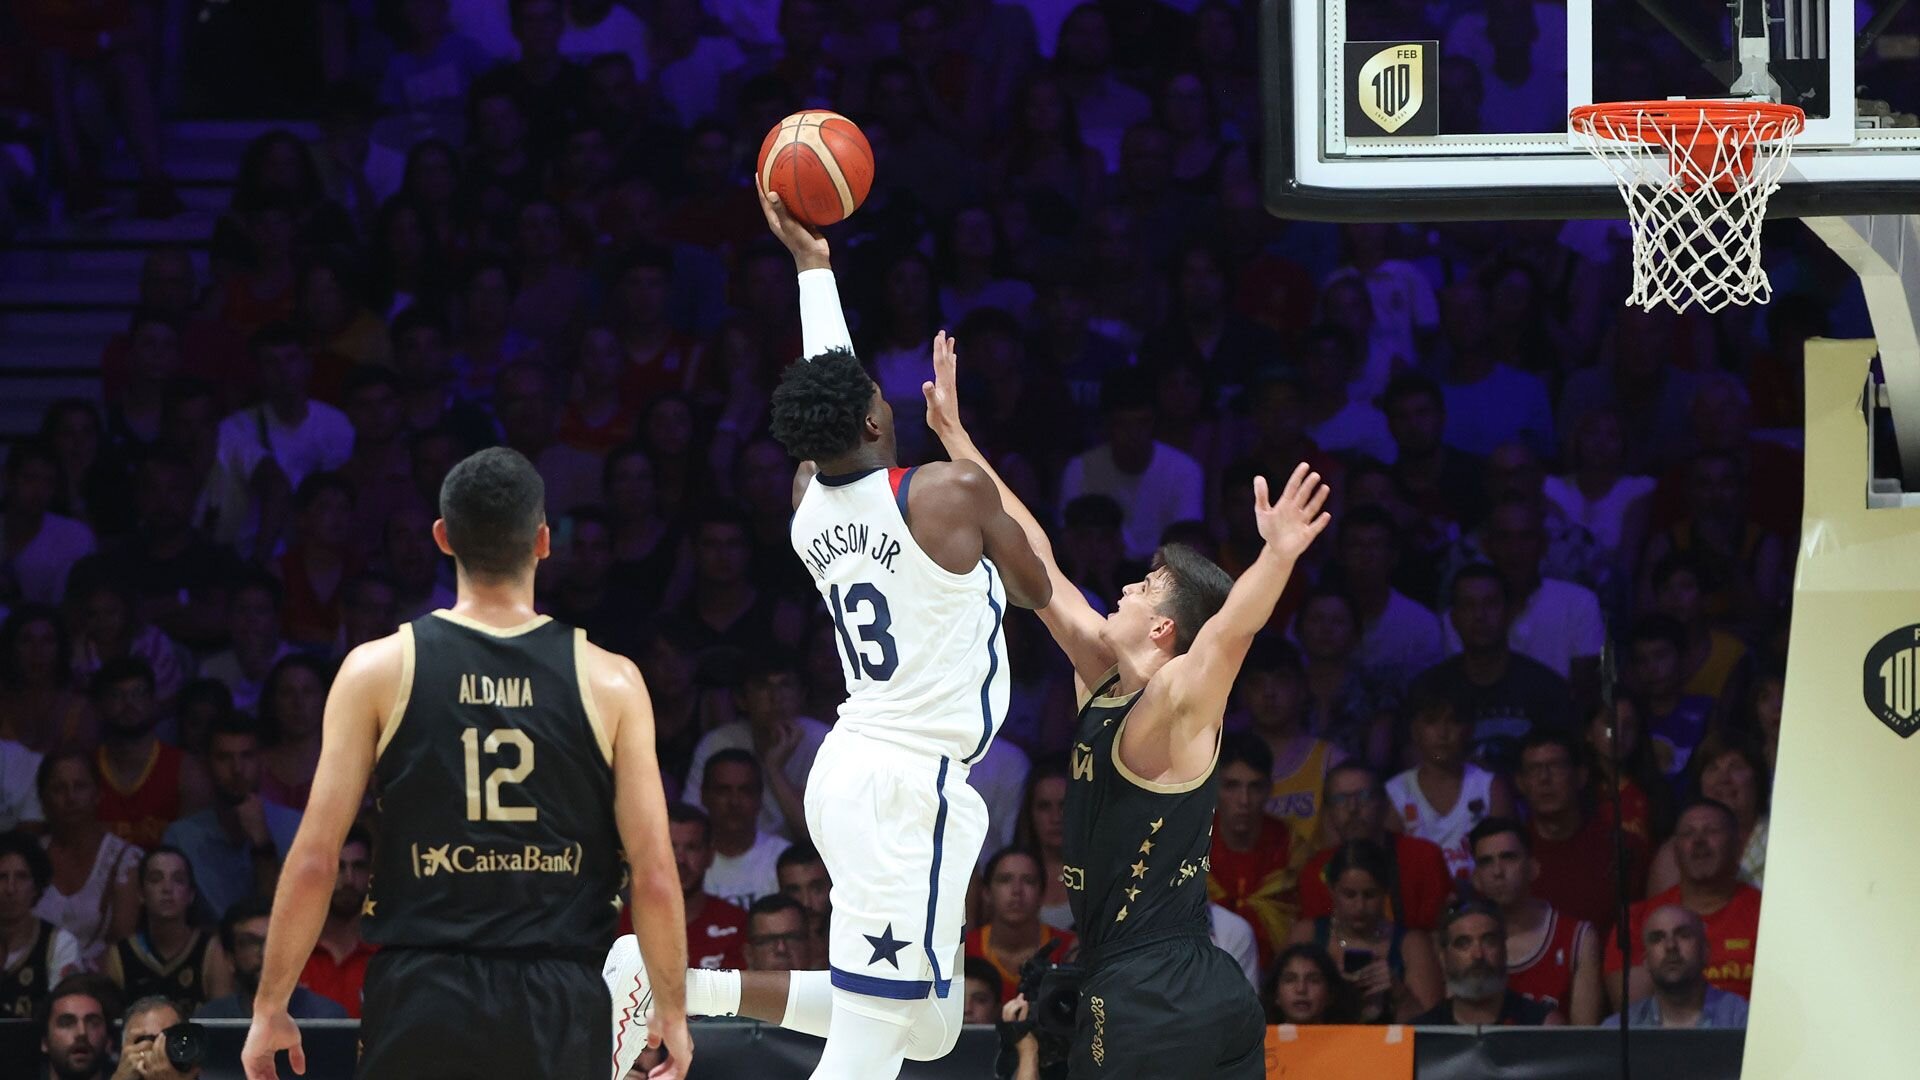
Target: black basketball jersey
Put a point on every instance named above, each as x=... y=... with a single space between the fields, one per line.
x=1136 y=853
x=144 y=974
x=496 y=795
x=24 y=986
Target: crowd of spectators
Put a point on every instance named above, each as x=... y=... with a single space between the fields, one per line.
x=532 y=224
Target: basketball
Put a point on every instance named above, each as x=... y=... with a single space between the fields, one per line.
x=819 y=164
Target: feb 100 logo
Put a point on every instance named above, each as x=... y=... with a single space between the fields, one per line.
x=1890 y=680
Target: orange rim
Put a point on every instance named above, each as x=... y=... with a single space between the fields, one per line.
x=1663 y=123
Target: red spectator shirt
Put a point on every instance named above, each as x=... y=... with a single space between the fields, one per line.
x=140 y=814
x=980 y=946
x=1577 y=874
x=341 y=980
x=1547 y=975
x=716 y=933
x=1257 y=885
x=1731 y=935
x=1425 y=885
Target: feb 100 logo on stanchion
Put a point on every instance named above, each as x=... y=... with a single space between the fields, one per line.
x=1890 y=680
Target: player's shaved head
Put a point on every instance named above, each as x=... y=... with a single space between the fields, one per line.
x=494 y=505
x=820 y=407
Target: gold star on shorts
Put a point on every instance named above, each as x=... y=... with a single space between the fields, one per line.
x=1132 y=895
x=1139 y=869
x=1146 y=847
x=1122 y=917
x=1155 y=826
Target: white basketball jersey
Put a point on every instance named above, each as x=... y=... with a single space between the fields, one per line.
x=1448 y=830
x=920 y=646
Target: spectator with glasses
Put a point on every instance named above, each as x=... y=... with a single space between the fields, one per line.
x=777 y=936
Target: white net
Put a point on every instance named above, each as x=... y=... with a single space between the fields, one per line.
x=1696 y=176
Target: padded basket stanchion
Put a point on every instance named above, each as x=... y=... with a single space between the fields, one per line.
x=1696 y=175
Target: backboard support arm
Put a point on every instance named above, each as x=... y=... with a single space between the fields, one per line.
x=1884 y=250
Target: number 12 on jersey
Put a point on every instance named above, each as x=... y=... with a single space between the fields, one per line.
x=877 y=631
x=494 y=810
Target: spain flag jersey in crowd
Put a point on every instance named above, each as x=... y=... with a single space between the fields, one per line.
x=1732 y=933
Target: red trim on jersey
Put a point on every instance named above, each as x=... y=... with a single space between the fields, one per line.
x=893 y=478
x=1547 y=975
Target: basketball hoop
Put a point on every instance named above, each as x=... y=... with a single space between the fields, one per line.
x=1696 y=176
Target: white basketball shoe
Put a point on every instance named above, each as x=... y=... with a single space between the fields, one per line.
x=632 y=992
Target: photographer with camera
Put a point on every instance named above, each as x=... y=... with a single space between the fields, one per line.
x=1037 y=1026
x=156 y=1042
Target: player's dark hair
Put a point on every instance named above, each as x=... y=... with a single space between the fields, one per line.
x=1477 y=572
x=679 y=813
x=978 y=968
x=1499 y=826
x=798 y=855
x=1005 y=853
x=1363 y=855
x=732 y=756
x=1467 y=907
x=820 y=405
x=114 y=672
x=494 y=503
x=39 y=867
x=1246 y=748
x=1198 y=591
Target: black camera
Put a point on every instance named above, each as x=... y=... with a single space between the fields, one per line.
x=186 y=1045
x=1052 y=990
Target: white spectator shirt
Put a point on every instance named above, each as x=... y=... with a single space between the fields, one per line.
x=1403 y=303
x=1606 y=516
x=620 y=31
x=1358 y=426
x=1234 y=936
x=1406 y=639
x=40 y=569
x=1561 y=621
x=691 y=84
x=738 y=735
x=1169 y=490
x=742 y=879
x=19 y=798
x=321 y=442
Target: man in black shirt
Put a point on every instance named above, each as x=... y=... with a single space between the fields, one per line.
x=1473 y=950
x=492 y=898
x=1501 y=693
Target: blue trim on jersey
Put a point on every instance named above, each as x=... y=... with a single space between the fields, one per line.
x=900 y=496
x=875 y=986
x=933 y=876
x=993 y=668
x=843 y=479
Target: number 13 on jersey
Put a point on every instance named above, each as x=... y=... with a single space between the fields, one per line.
x=876 y=631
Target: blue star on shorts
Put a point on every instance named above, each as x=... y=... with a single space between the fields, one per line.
x=885 y=947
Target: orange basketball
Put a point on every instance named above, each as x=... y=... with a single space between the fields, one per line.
x=819 y=164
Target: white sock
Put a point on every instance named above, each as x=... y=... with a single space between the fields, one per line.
x=809 y=1002
x=713 y=993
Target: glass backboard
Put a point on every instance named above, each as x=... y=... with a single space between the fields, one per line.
x=1451 y=109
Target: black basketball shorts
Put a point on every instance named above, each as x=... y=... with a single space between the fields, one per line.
x=1168 y=1008
x=433 y=1015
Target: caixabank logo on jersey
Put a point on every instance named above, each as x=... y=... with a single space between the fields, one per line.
x=1393 y=88
x=469 y=859
x=1890 y=680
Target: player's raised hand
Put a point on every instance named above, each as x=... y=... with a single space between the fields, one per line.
x=808 y=246
x=271 y=1033
x=1290 y=523
x=943 y=392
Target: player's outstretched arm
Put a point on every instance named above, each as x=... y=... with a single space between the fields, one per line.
x=363 y=693
x=1199 y=681
x=640 y=811
x=1071 y=620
